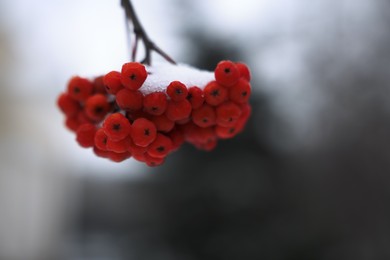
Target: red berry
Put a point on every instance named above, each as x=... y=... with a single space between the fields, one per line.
x=244 y=71
x=240 y=92
x=208 y=146
x=187 y=129
x=118 y=157
x=133 y=75
x=129 y=100
x=200 y=135
x=214 y=93
x=139 y=157
x=226 y=73
x=241 y=122
x=117 y=127
x=120 y=146
x=204 y=116
x=239 y=127
x=160 y=147
x=183 y=121
x=133 y=115
x=82 y=118
x=228 y=114
x=178 y=110
x=97 y=107
x=101 y=139
x=155 y=103
x=163 y=123
x=112 y=82
x=177 y=138
x=246 y=112
x=144 y=132
x=177 y=91
x=195 y=96
x=135 y=149
x=98 y=85
x=68 y=105
x=101 y=153
x=85 y=135
x=79 y=88
x=207 y=135
x=225 y=132
x=153 y=161
x=72 y=123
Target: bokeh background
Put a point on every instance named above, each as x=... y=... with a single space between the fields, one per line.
x=309 y=178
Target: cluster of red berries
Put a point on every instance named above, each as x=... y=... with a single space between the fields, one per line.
x=111 y=115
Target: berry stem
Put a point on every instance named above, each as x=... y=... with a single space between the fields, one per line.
x=140 y=34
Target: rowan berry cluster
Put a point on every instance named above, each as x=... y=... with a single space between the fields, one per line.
x=113 y=116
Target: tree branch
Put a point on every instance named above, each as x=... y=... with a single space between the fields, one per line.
x=140 y=34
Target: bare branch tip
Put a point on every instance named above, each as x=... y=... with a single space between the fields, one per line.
x=140 y=34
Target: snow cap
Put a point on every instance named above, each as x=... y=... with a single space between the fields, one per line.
x=160 y=75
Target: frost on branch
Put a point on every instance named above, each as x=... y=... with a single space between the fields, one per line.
x=147 y=112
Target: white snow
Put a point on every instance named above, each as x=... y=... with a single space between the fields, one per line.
x=163 y=73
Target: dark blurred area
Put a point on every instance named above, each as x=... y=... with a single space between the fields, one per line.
x=325 y=199
x=309 y=177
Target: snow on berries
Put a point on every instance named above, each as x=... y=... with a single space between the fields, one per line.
x=148 y=112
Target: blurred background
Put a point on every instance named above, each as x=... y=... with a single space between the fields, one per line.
x=309 y=178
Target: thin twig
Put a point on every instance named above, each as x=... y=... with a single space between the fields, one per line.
x=128 y=34
x=140 y=34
